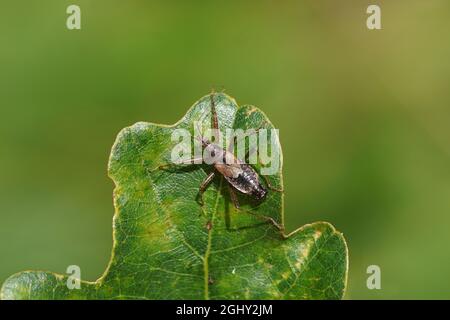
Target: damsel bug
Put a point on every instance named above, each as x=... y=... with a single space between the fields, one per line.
x=239 y=175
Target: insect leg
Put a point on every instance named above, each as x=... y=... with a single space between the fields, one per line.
x=172 y=164
x=233 y=197
x=203 y=187
x=269 y=185
x=265 y=218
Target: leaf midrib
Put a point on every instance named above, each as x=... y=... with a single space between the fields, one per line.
x=208 y=247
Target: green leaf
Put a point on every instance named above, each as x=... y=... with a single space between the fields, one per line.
x=163 y=248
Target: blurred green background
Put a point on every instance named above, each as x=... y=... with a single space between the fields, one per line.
x=364 y=119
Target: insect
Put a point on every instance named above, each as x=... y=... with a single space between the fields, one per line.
x=239 y=175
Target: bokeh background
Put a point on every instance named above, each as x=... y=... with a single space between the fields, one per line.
x=364 y=119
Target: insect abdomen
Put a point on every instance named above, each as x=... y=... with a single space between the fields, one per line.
x=248 y=182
